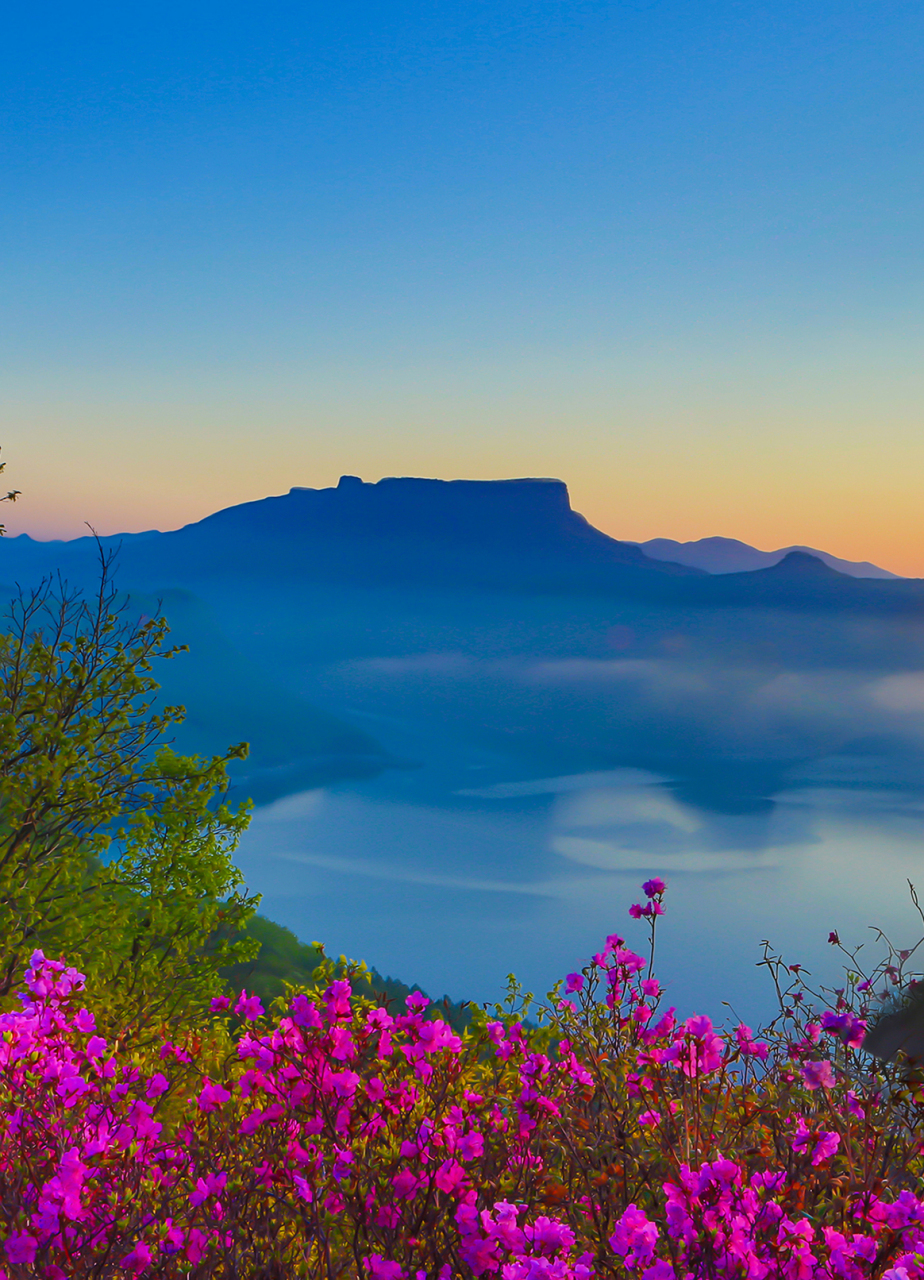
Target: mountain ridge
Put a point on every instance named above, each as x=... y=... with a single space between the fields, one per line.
x=519 y=536
x=729 y=555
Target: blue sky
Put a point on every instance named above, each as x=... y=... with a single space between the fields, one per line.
x=670 y=252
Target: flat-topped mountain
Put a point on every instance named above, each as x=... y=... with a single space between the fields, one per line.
x=487 y=532
x=525 y=519
x=509 y=535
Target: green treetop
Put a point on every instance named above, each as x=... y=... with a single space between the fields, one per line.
x=115 y=852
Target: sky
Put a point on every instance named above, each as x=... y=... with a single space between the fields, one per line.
x=669 y=252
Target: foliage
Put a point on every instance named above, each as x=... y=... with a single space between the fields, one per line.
x=113 y=849
x=340 y=1140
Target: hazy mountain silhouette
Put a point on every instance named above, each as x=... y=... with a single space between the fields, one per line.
x=505 y=532
x=728 y=555
x=343 y=630
x=514 y=535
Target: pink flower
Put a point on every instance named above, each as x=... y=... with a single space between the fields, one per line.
x=95 y=1047
x=549 y=1237
x=20 y=1248
x=382 y=1269
x=749 y=1047
x=344 y=1083
x=211 y=1185
x=342 y=1046
x=67 y=1185
x=636 y=911
x=471 y=1146
x=700 y=1051
x=635 y=1236
x=450 y=1176
x=633 y=963
x=84 y=1022
x=660 y=1270
x=304 y=1013
x=212 y=1096
x=437 y=1035
x=157 y=1085
x=218 y=1004
x=338 y=996
x=818 y=1075
x=828 y=1142
x=405 y=1184
x=574 y=982
x=196 y=1244
x=651 y=888
x=248 y=1007
x=846 y=1026
x=139 y=1257
x=481 y=1255
x=343 y=1158
x=505 y=1226
x=825 y=1143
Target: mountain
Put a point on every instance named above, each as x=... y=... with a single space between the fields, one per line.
x=455 y=625
x=501 y=532
x=519 y=536
x=728 y=555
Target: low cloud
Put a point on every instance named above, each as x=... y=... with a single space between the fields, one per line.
x=652 y=713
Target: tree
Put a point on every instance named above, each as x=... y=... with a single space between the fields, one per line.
x=114 y=851
x=7 y=497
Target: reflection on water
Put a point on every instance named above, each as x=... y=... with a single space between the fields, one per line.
x=455 y=886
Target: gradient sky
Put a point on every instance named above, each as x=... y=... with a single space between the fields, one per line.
x=669 y=252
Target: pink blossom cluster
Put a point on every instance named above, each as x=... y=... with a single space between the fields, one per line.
x=493 y=1242
x=722 y=1226
x=611 y=1140
x=91 y=1173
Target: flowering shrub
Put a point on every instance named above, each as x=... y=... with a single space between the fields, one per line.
x=342 y=1139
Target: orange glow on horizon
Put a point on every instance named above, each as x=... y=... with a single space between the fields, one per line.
x=623 y=515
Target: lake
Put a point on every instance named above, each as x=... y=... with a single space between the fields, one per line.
x=443 y=876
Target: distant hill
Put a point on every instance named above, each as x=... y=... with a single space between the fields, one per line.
x=728 y=555
x=283 y=959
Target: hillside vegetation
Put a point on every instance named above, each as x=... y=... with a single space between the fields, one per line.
x=283 y=962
